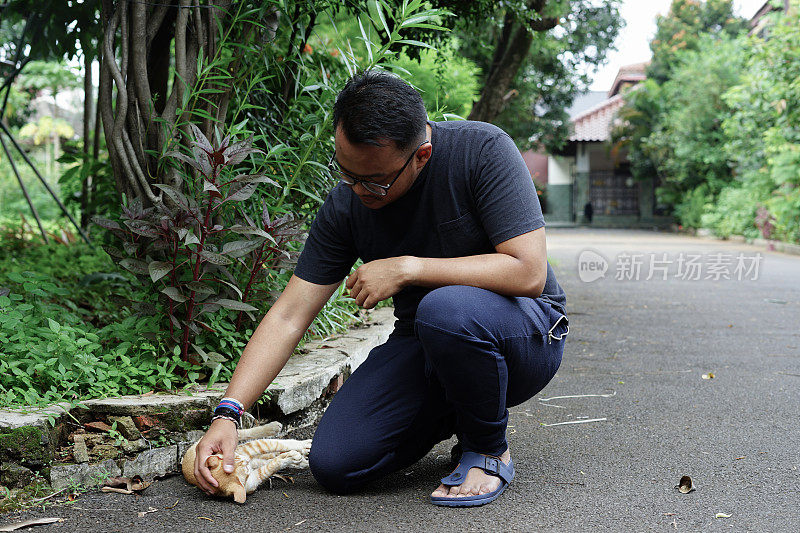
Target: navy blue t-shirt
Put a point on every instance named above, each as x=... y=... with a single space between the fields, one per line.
x=474 y=193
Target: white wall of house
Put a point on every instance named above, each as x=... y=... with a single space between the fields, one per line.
x=582 y=159
x=558 y=170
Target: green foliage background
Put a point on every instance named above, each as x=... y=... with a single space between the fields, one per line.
x=715 y=120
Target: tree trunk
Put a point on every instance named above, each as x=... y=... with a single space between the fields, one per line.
x=141 y=118
x=510 y=52
x=88 y=107
x=496 y=91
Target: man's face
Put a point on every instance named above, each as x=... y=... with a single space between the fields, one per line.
x=379 y=164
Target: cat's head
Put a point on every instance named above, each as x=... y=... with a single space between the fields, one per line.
x=229 y=484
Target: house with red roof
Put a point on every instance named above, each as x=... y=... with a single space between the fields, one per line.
x=589 y=181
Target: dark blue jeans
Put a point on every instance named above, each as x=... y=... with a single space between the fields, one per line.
x=474 y=354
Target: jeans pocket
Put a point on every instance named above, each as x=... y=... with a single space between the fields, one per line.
x=559 y=326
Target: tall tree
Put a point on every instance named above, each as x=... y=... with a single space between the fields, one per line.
x=534 y=55
x=680 y=30
x=141 y=107
x=656 y=111
x=555 y=69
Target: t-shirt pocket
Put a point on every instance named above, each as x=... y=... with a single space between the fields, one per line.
x=463 y=236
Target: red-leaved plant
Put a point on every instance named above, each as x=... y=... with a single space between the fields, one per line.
x=197 y=262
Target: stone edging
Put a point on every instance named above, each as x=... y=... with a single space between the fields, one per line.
x=766 y=244
x=28 y=442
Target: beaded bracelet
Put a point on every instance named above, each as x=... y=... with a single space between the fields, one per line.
x=226 y=417
x=227 y=411
x=231 y=409
x=233 y=403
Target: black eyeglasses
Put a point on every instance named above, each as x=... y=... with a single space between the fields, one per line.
x=371 y=186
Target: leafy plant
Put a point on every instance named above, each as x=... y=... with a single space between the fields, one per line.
x=47 y=360
x=197 y=247
x=763 y=138
x=734 y=213
x=80 y=167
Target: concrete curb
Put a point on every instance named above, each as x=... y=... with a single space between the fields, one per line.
x=766 y=244
x=28 y=441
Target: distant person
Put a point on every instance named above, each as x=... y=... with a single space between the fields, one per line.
x=588 y=211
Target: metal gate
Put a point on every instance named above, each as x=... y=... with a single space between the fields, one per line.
x=613 y=194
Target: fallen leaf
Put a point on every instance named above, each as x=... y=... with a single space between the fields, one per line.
x=722 y=515
x=285 y=494
x=116 y=489
x=149 y=510
x=205 y=518
x=685 y=485
x=125 y=485
x=28 y=523
x=148 y=393
x=575 y=422
x=138 y=484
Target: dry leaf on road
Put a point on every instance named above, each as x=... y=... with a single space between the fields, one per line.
x=28 y=523
x=125 y=485
x=685 y=485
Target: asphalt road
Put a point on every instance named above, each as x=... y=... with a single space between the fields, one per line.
x=644 y=345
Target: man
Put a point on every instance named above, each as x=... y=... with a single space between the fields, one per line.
x=447 y=222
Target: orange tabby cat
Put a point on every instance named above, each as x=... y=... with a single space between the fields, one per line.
x=255 y=461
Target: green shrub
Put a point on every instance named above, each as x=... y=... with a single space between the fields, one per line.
x=51 y=352
x=763 y=137
x=785 y=207
x=734 y=213
x=692 y=206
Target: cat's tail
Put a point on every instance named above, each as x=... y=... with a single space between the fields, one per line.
x=260 y=432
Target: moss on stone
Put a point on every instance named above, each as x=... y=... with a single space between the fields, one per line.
x=28 y=445
x=18 y=499
x=184 y=418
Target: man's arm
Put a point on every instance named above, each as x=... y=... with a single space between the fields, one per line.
x=276 y=337
x=519 y=268
x=264 y=356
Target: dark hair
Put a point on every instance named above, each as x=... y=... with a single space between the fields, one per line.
x=375 y=107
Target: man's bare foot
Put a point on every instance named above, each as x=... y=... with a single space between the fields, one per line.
x=477 y=482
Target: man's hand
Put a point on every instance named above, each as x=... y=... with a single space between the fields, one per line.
x=378 y=280
x=221 y=437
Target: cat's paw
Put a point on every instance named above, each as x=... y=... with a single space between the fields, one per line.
x=306 y=447
x=296 y=459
